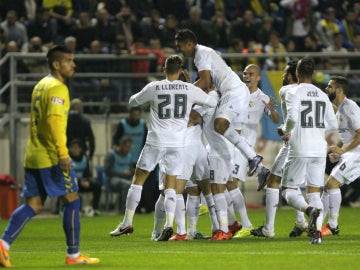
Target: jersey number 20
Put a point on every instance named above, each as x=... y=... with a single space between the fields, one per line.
x=307 y=119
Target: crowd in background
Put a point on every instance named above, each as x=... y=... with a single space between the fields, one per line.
x=147 y=27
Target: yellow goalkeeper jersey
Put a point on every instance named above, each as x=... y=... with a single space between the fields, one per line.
x=50 y=105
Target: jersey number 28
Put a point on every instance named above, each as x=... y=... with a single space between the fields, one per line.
x=179 y=103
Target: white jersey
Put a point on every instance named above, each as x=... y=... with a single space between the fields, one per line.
x=256 y=110
x=309 y=115
x=348 y=116
x=219 y=145
x=170 y=106
x=222 y=76
x=282 y=92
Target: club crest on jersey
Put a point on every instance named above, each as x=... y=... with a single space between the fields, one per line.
x=251 y=103
x=57 y=100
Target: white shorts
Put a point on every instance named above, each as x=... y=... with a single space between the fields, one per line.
x=276 y=168
x=234 y=104
x=196 y=165
x=298 y=171
x=167 y=157
x=240 y=166
x=347 y=169
x=221 y=168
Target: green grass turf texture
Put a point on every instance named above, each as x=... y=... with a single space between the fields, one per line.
x=41 y=245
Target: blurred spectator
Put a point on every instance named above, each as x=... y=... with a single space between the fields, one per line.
x=332 y=61
x=301 y=21
x=133 y=126
x=355 y=61
x=141 y=8
x=207 y=7
x=15 y=30
x=61 y=12
x=30 y=7
x=199 y=26
x=40 y=26
x=16 y=5
x=350 y=27
x=81 y=165
x=119 y=169
x=290 y=46
x=253 y=47
x=220 y=28
x=236 y=46
x=127 y=26
x=36 y=65
x=246 y=28
x=105 y=29
x=11 y=46
x=178 y=7
x=156 y=48
x=311 y=44
x=153 y=25
x=267 y=27
x=121 y=85
x=170 y=29
x=84 y=31
x=79 y=127
x=70 y=42
x=275 y=46
x=112 y=6
x=327 y=27
x=3 y=41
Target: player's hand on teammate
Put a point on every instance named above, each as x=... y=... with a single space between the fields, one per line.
x=336 y=149
x=280 y=131
x=65 y=164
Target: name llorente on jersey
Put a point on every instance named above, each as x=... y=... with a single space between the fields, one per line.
x=172 y=87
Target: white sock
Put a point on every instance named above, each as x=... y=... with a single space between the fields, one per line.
x=221 y=211
x=132 y=201
x=180 y=214
x=192 y=210
x=334 y=206
x=239 y=142
x=300 y=216
x=159 y=214
x=230 y=208
x=212 y=213
x=170 y=205
x=315 y=201
x=325 y=200
x=295 y=199
x=203 y=199
x=240 y=206
x=272 y=203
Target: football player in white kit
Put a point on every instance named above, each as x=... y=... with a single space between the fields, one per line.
x=221 y=155
x=272 y=178
x=235 y=96
x=309 y=115
x=347 y=153
x=259 y=103
x=170 y=105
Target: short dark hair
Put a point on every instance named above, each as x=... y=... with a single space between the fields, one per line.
x=56 y=54
x=306 y=67
x=341 y=82
x=76 y=142
x=123 y=140
x=185 y=35
x=173 y=64
x=292 y=70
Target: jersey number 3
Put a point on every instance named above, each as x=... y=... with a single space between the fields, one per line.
x=179 y=103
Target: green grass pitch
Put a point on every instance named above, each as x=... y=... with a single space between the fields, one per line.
x=42 y=246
